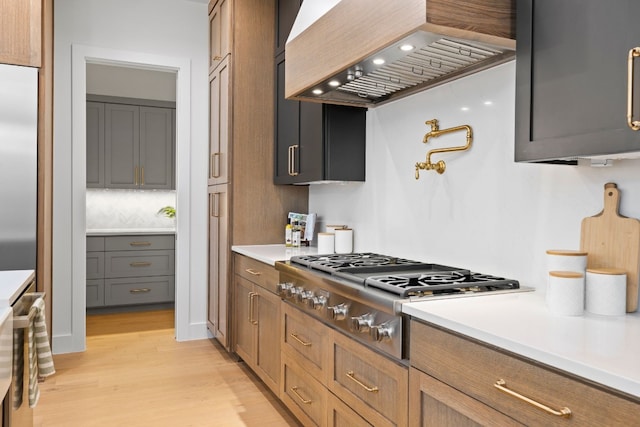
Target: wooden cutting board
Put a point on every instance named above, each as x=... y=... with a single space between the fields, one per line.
x=613 y=241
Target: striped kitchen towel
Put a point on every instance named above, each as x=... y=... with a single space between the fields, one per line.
x=40 y=357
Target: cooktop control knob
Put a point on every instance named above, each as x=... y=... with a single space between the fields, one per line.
x=302 y=295
x=361 y=323
x=281 y=288
x=291 y=291
x=317 y=302
x=338 y=312
x=381 y=332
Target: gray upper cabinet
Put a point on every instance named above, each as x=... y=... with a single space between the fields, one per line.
x=571 y=79
x=130 y=146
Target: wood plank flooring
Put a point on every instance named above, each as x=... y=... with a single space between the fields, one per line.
x=134 y=373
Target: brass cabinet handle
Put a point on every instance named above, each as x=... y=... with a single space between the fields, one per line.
x=253 y=272
x=140 y=264
x=215 y=205
x=215 y=165
x=251 y=308
x=633 y=124
x=217 y=58
x=139 y=243
x=294 y=390
x=139 y=291
x=141 y=175
x=292 y=160
x=304 y=343
x=352 y=377
x=563 y=412
x=135 y=175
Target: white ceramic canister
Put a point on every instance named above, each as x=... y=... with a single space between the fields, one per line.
x=565 y=296
x=344 y=240
x=326 y=243
x=565 y=260
x=333 y=228
x=606 y=291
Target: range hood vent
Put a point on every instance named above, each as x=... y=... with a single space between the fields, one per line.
x=343 y=66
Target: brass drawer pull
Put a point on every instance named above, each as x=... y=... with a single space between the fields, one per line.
x=140 y=264
x=139 y=291
x=304 y=343
x=294 y=390
x=633 y=124
x=502 y=386
x=139 y=243
x=352 y=376
x=253 y=272
x=215 y=166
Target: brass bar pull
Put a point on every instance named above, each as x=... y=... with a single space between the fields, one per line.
x=139 y=291
x=353 y=378
x=253 y=272
x=633 y=53
x=216 y=165
x=295 y=170
x=139 y=243
x=563 y=412
x=140 y=264
x=294 y=390
x=253 y=307
x=211 y=161
x=215 y=205
x=142 y=175
x=250 y=309
x=135 y=175
x=217 y=58
x=289 y=157
x=304 y=343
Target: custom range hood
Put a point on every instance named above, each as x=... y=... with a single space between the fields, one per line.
x=367 y=52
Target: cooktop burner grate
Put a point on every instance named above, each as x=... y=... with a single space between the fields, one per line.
x=336 y=262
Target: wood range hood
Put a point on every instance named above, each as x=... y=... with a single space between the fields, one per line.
x=332 y=60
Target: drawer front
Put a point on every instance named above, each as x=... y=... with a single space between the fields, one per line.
x=139 y=264
x=340 y=415
x=95 y=244
x=139 y=243
x=95 y=265
x=143 y=290
x=303 y=395
x=371 y=384
x=445 y=356
x=95 y=293
x=257 y=272
x=307 y=340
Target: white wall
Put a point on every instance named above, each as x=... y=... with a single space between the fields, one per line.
x=153 y=29
x=130 y=82
x=486 y=212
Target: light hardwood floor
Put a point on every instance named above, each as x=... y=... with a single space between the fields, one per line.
x=134 y=373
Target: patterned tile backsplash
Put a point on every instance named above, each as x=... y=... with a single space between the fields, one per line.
x=128 y=209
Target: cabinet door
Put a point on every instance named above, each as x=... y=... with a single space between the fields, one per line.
x=218 y=263
x=219 y=32
x=286 y=12
x=156 y=148
x=95 y=145
x=287 y=127
x=244 y=315
x=219 y=124
x=340 y=415
x=122 y=146
x=433 y=403
x=267 y=313
x=95 y=293
x=20 y=32
x=571 y=78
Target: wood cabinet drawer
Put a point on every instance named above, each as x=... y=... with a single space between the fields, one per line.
x=257 y=272
x=139 y=263
x=340 y=415
x=374 y=386
x=95 y=265
x=303 y=395
x=474 y=369
x=306 y=340
x=139 y=243
x=95 y=244
x=95 y=293
x=140 y=290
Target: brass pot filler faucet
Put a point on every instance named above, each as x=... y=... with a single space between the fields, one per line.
x=434 y=133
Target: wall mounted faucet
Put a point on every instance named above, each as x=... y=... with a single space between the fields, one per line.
x=435 y=132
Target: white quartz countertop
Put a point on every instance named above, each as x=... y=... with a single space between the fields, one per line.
x=603 y=349
x=12 y=284
x=269 y=254
x=129 y=231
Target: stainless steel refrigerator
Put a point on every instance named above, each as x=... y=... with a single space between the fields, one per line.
x=18 y=166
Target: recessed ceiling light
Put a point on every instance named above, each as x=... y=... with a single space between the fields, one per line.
x=334 y=83
x=407 y=47
x=378 y=61
x=488 y=102
x=317 y=92
x=465 y=108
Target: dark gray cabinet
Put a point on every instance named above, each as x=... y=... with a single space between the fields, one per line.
x=571 y=79
x=130 y=146
x=286 y=12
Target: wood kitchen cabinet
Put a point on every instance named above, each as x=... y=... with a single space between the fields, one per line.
x=20 y=32
x=286 y=12
x=217 y=308
x=445 y=386
x=571 y=79
x=257 y=320
x=219 y=123
x=219 y=32
x=130 y=146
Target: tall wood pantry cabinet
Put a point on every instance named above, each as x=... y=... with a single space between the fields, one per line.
x=245 y=206
x=572 y=83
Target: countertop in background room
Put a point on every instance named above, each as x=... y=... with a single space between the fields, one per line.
x=129 y=231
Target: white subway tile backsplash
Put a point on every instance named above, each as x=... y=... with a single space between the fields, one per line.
x=128 y=209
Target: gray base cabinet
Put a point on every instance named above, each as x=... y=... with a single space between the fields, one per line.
x=130 y=270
